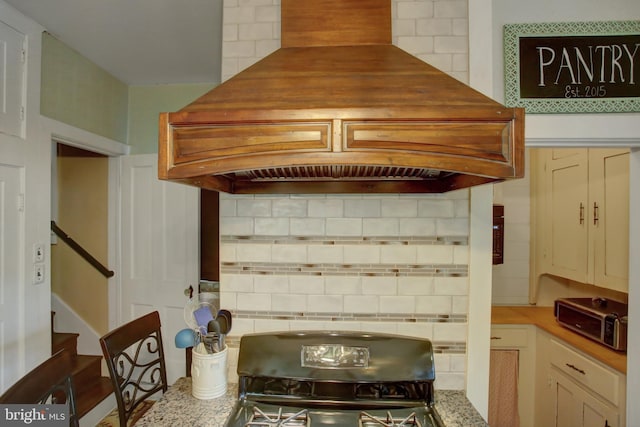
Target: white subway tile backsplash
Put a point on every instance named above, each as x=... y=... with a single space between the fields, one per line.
x=450 y=332
x=414 y=9
x=436 y=208
x=228 y=300
x=360 y=254
x=452 y=226
x=343 y=286
x=461 y=254
x=417 y=227
x=227 y=253
x=254 y=207
x=458 y=363
x=272 y=284
x=450 y=9
x=254 y=301
x=289 y=253
x=397 y=304
x=286 y=207
x=416 y=44
x=307 y=226
x=271 y=325
x=416 y=329
x=255 y=31
x=289 y=302
x=237 y=283
x=325 y=254
x=362 y=208
x=379 y=327
x=379 y=285
x=380 y=226
x=460 y=304
x=239 y=15
x=415 y=285
x=442 y=362
x=325 y=303
x=399 y=208
x=450 y=381
x=433 y=304
x=435 y=254
x=240 y=48
x=344 y=226
x=451 y=286
x=271 y=226
x=238 y=226
x=307 y=285
x=253 y=253
x=450 y=44
x=434 y=27
x=398 y=254
x=361 y=304
x=326 y=208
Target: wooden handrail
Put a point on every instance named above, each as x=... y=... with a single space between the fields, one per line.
x=81 y=251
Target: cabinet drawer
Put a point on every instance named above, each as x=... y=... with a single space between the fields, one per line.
x=509 y=337
x=592 y=375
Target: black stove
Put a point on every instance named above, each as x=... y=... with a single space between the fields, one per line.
x=339 y=379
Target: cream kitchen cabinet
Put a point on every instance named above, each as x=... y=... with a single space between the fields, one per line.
x=573 y=390
x=585 y=215
x=521 y=338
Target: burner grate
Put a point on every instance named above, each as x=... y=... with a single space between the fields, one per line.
x=367 y=420
x=279 y=419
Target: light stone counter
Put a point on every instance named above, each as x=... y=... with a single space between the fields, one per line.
x=179 y=408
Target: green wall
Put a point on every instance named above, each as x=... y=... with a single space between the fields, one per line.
x=77 y=92
x=145 y=104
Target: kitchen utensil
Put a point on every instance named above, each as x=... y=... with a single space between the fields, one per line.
x=185 y=338
x=226 y=315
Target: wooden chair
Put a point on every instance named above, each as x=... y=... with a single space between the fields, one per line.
x=135 y=358
x=49 y=382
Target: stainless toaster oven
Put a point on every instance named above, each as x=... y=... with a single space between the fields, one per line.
x=603 y=320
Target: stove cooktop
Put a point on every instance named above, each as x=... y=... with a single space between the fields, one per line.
x=253 y=414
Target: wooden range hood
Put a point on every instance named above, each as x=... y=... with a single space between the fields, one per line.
x=339 y=109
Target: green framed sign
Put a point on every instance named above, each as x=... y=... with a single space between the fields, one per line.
x=573 y=67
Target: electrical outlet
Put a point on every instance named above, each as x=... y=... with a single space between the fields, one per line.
x=38 y=273
x=38 y=252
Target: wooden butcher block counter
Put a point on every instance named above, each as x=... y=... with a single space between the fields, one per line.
x=543 y=318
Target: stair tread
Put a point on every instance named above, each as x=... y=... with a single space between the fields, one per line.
x=91 y=394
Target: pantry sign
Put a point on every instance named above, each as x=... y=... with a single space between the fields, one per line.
x=576 y=67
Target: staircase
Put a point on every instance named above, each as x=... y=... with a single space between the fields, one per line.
x=91 y=387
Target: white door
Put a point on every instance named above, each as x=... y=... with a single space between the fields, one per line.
x=12 y=54
x=11 y=263
x=160 y=241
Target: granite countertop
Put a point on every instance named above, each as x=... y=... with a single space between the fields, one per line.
x=179 y=408
x=543 y=318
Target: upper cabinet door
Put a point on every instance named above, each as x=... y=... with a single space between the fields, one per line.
x=609 y=211
x=12 y=77
x=567 y=194
x=585 y=215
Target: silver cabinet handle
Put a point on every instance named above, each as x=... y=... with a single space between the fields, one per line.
x=581 y=216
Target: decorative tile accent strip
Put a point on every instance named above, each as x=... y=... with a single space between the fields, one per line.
x=349 y=240
x=390 y=270
x=355 y=317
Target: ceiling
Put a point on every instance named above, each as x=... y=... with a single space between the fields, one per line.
x=140 y=42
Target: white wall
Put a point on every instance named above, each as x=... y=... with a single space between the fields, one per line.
x=30 y=153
